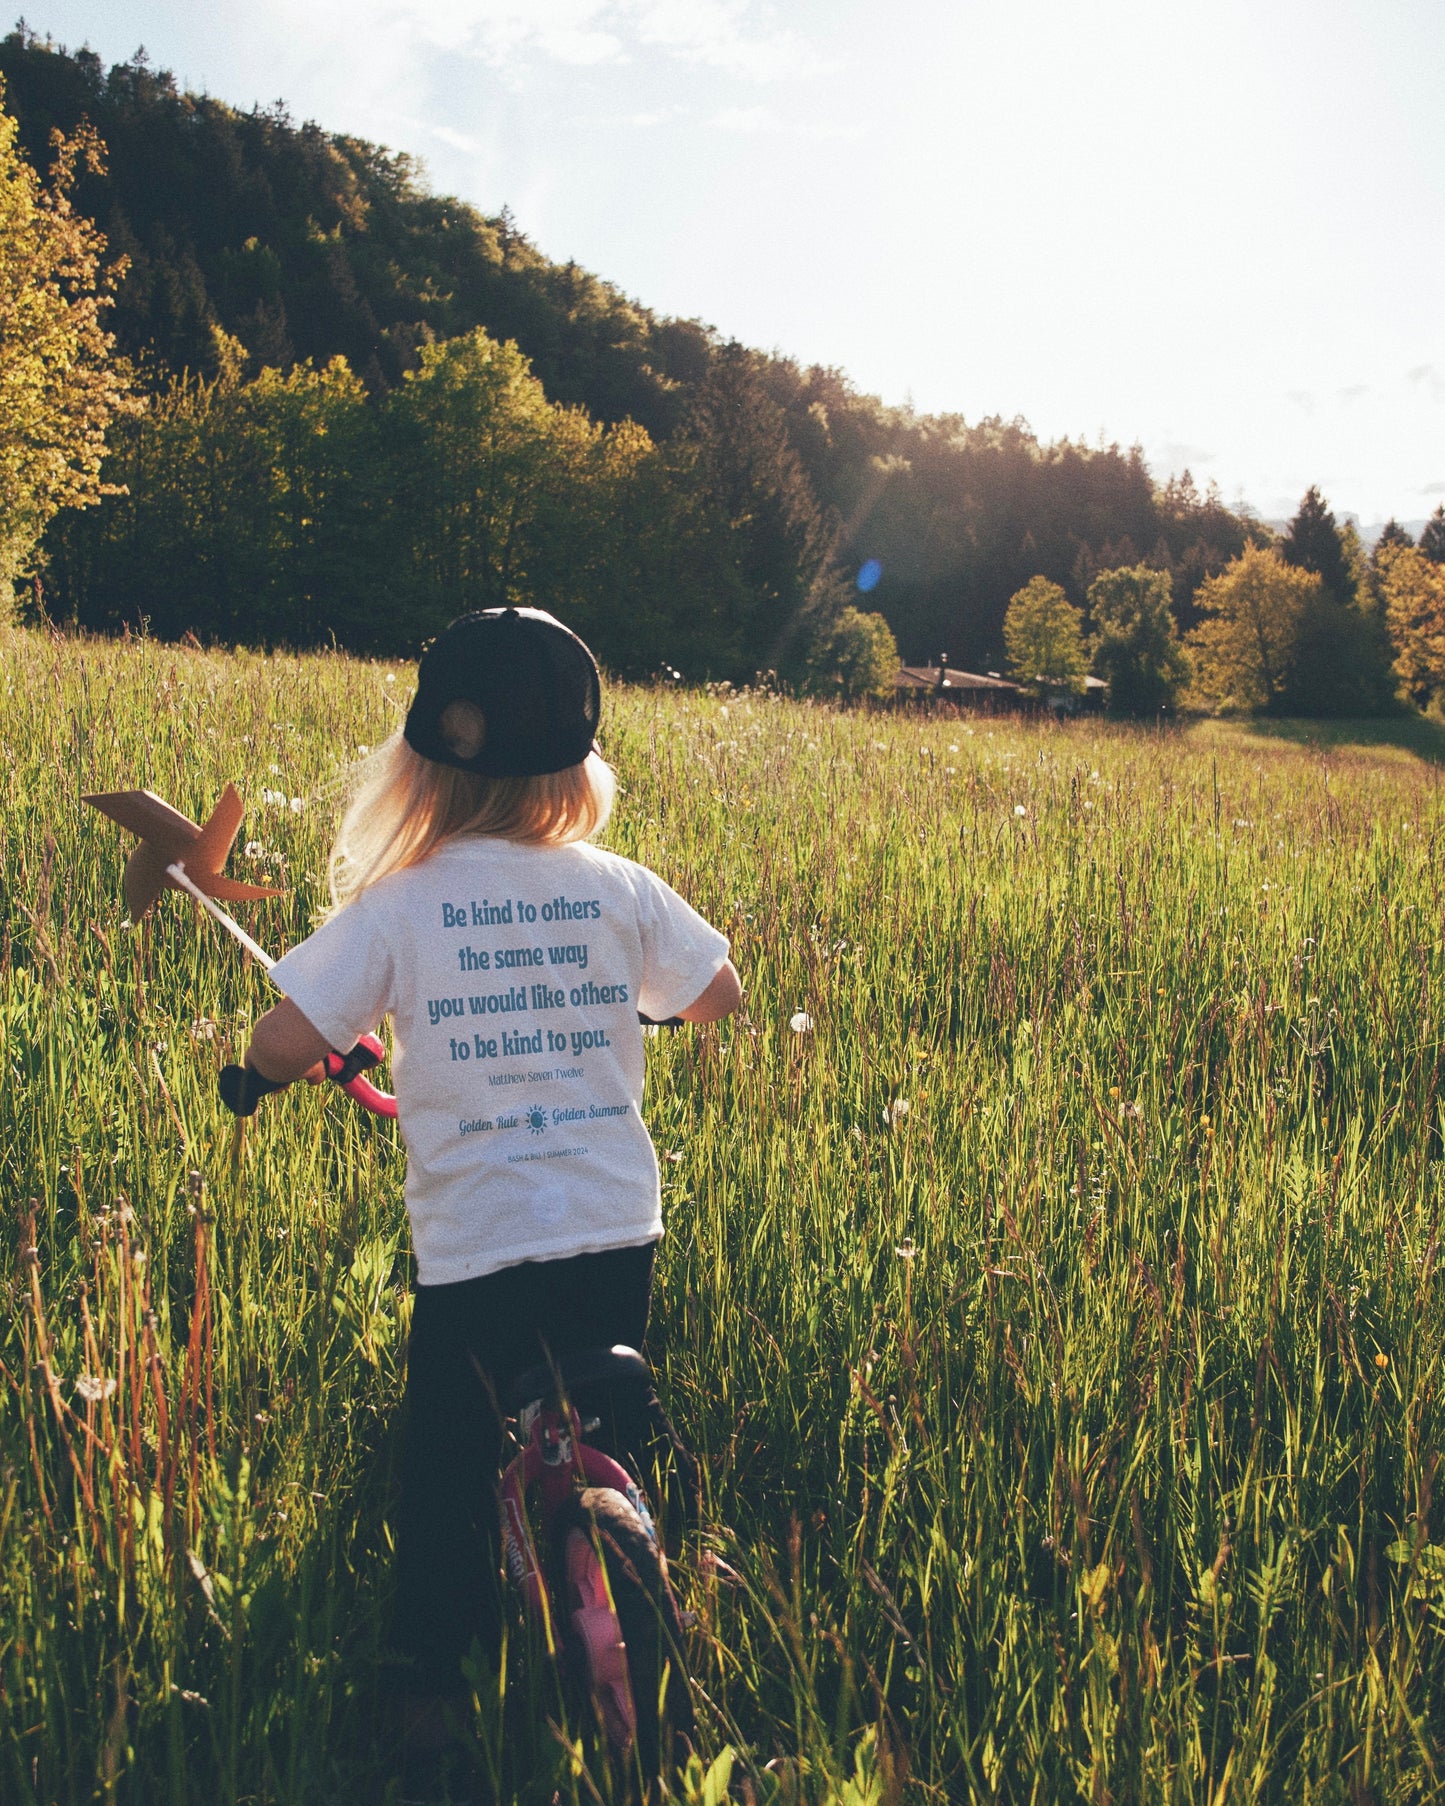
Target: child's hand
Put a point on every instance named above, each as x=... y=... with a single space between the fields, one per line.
x=242 y=1089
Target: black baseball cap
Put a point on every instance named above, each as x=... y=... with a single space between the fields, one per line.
x=533 y=680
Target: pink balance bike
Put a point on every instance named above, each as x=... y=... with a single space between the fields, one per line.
x=582 y=1550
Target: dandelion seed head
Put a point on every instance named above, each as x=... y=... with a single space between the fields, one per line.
x=1019 y=809
x=800 y=1022
x=895 y=1112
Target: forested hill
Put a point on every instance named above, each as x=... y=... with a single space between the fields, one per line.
x=304 y=245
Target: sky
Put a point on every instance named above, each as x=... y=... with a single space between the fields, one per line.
x=1214 y=230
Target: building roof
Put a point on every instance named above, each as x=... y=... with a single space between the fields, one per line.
x=925 y=677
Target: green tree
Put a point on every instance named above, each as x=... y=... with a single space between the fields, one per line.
x=1413 y=586
x=1136 y=647
x=484 y=470
x=1244 y=643
x=1312 y=542
x=246 y=511
x=858 y=660
x=59 y=385
x=1339 y=662
x=650 y=568
x=1044 y=634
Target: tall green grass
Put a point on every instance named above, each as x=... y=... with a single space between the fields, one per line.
x=1059 y=1315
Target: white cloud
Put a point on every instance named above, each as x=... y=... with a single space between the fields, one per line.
x=457 y=141
x=1180 y=455
x=580 y=48
x=746 y=120
x=728 y=35
x=1428 y=378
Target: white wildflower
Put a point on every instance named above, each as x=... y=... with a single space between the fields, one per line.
x=255 y=849
x=274 y=799
x=895 y=1112
x=1019 y=809
x=203 y=1028
x=297 y=805
x=94 y=1388
x=800 y=1022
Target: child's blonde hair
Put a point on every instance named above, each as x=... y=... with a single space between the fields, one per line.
x=404 y=806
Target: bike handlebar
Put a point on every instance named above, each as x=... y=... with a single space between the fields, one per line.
x=242 y=1087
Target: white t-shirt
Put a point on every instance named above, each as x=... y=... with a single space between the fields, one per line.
x=513 y=976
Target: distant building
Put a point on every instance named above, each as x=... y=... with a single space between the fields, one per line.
x=968 y=689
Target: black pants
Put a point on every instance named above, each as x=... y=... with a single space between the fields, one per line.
x=468 y=1342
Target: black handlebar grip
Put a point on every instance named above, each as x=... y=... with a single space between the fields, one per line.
x=242 y=1089
x=343 y=1068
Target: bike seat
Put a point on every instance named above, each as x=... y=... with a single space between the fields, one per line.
x=589 y=1370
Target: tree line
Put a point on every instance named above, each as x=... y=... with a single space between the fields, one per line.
x=344 y=407
x=1302 y=625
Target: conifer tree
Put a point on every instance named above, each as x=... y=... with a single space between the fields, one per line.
x=1391 y=534
x=1312 y=543
x=782 y=544
x=1432 y=537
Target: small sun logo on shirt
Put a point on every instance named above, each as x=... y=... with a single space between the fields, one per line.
x=536 y=1120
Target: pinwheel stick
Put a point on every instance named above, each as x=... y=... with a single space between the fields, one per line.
x=178 y=872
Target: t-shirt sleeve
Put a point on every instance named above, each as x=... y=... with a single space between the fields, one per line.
x=681 y=953
x=341 y=977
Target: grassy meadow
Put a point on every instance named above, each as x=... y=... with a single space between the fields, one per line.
x=1059 y=1316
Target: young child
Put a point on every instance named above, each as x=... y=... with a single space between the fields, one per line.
x=513 y=958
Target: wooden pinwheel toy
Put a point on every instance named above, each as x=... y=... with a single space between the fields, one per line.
x=174 y=854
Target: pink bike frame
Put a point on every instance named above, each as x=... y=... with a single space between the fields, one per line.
x=555 y=1455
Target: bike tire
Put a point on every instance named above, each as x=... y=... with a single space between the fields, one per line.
x=599 y=1524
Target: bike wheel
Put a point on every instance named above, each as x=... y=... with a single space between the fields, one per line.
x=621 y=1627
